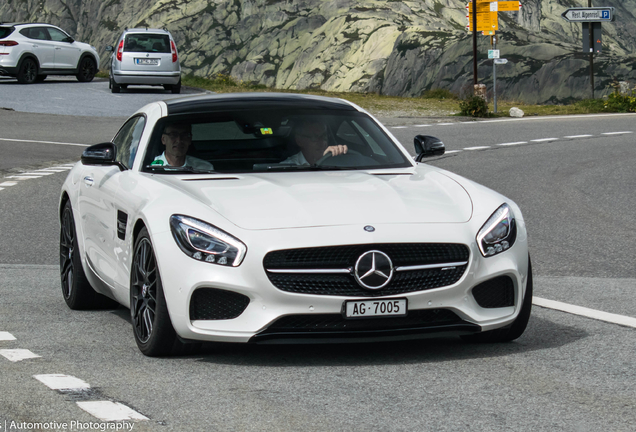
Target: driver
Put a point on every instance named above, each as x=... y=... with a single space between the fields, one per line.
x=177 y=138
x=312 y=136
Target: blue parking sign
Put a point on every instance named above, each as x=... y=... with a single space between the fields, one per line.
x=605 y=14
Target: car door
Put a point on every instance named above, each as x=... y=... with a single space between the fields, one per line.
x=67 y=54
x=41 y=45
x=99 y=205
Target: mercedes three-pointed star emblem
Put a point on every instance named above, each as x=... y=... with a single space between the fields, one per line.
x=373 y=270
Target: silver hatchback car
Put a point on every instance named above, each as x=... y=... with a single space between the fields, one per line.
x=144 y=56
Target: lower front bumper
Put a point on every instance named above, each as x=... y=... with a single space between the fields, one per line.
x=8 y=71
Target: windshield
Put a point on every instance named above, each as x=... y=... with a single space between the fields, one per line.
x=271 y=140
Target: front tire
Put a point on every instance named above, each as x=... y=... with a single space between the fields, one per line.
x=76 y=290
x=517 y=327
x=153 y=330
x=28 y=72
x=87 y=70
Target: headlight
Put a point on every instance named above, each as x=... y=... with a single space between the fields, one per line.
x=205 y=242
x=498 y=233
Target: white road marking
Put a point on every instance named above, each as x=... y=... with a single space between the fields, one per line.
x=421 y=125
x=586 y=312
x=6 y=336
x=445 y=124
x=616 y=133
x=37 y=173
x=544 y=139
x=399 y=127
x=578 y=136
x=110 y=411
x=23 y=177
x=452 y=151
x=513 y=143
x=477 y=148
x=62 y=382
x=16 y=355
x=1 y=188
x=9 y=183
x=43 y=142
x=54 y=170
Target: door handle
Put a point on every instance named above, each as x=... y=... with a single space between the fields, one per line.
x=88 y=181
x=58 y=48
x=35 y=46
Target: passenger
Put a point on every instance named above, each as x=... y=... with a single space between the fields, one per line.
x=177 y=138
x=312 y=136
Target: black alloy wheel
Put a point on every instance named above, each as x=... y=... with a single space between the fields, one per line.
x=87 y=70
x=28 y=71
x=152 y=327
x=76 y=290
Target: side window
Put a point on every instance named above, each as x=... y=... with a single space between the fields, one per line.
x=127 y=140
x=56 y=35
x=38 y=33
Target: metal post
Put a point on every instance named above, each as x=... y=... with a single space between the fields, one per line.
x=475 y=81
x=589 y=4
x=494 y=74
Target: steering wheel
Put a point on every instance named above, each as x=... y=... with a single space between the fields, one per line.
x=330 y=155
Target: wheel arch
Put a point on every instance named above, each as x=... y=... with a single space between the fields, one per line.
x=63 y=200
x=29 y=55
x=91 y=56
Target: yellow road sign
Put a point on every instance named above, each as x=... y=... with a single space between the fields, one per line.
x=485 y=21
x=507 y=6
x=481 y=7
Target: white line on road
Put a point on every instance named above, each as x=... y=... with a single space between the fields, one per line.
x=544 y=139
x=16 y=355
x=23 y=177
x=513 y=143
x=43 y=142
x=62 y=382
x=399 y=127
x=578 y=136
x=477 y=148
x=7 y=184
x=452 y=151
x=422 y=125
x=37 y=173
x=586 y=312
x=446 y=124
x=110 y=411
x=616 y=133
x=6 y=336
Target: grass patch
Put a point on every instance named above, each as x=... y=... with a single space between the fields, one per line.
x=433 y=103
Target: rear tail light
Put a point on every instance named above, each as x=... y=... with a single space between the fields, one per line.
x=8 y=43
x=174 y=52
x=120 y=48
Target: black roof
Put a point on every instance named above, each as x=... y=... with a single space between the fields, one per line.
x=229 y=101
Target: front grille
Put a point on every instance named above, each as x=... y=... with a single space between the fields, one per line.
x=402 y=254
x=337 y=323
x=495 y=293
x=216 y=304
x=345 y=257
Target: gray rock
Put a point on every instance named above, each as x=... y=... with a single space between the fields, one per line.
x=389 y=47
x=516 y=112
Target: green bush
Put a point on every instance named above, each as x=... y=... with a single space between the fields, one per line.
x=439 y=94
x=621 y=103
x=474 y=107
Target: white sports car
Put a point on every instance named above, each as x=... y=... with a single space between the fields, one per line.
x=278 y=218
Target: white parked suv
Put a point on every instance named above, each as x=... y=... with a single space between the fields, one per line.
x=145 y=56
x=30 y=52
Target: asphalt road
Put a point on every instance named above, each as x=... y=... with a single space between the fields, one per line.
x=567 y=372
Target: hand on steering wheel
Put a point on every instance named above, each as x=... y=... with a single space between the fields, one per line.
x=328 y=154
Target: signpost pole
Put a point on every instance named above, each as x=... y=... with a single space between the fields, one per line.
x=475 y=82
x=589 y=4
x=494 y=73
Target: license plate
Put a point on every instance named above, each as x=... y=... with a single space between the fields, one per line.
x=373 y=308
x=142 y=61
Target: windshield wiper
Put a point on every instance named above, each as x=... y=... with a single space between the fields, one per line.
x=288 y=167
x=167 y=169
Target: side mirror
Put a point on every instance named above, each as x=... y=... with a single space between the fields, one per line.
x=101 y=154
x=69 y=39
x=109 y=48
x=427 y=146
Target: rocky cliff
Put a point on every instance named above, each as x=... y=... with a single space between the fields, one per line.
x=389 y=47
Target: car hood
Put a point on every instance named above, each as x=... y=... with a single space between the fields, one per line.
x=312 y=199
